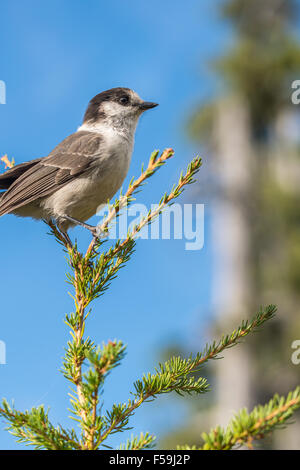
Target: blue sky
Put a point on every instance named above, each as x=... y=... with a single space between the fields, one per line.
x=55 y=56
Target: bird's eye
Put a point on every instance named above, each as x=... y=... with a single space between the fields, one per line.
x=124 y=99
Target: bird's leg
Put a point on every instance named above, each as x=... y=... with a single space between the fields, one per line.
x=68 y=239
x=95 y=230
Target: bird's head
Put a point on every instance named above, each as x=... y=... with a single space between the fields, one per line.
x=117 y=106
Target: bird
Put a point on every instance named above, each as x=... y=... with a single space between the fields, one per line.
x=83 y=171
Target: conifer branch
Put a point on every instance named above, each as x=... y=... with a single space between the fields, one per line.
x=34 y=427
x=143 y=442
x=213 y=350
x=246 y=427
x=175 y=375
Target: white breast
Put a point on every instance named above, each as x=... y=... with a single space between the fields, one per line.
x=82 y=197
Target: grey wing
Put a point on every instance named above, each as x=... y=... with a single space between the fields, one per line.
x=71 y=158
x=10 y=176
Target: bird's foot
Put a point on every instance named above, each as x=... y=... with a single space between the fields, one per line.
x=97 y=233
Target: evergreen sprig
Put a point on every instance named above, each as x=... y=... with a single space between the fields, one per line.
x=143 y=442
x=246 y=427
x=34 y=428
x=213 y=350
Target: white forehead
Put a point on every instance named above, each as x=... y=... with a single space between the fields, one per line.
x=134 y=95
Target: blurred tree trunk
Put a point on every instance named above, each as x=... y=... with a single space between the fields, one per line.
x=231 y=240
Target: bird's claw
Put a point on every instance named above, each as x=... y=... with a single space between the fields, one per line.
x=98 y=234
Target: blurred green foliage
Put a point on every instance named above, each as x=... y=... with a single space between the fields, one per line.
x=259 y=69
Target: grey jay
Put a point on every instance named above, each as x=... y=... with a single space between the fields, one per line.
x=83 y=171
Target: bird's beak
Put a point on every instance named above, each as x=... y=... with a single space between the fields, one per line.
x=147 y=105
